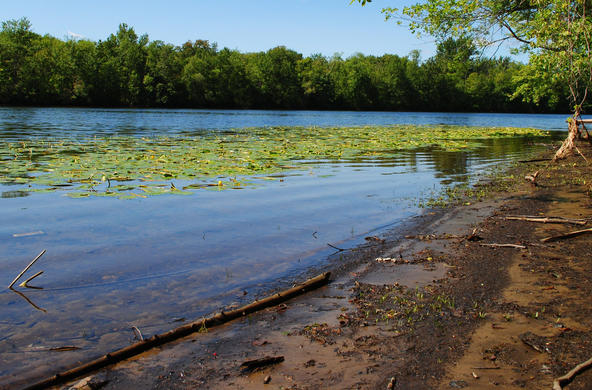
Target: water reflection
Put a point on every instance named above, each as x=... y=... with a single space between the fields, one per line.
x=20 y=123
x=14 y=194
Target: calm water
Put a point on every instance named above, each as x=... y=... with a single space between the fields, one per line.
x=112 y=264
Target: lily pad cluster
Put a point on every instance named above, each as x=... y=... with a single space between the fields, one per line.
x=129 y=167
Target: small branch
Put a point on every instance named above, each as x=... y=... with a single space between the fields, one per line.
x=26 y=268
x=534 y=160
x=534 y=218
x=24 y=284
x=138 y=333
x=504 y=246
x=336 y=248
x=581 y=154
x=567 y=235
x=565 y=379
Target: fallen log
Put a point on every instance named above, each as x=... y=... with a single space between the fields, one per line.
x=175 y=334
x=565 y=379
x=534 y=218
x=567 y=235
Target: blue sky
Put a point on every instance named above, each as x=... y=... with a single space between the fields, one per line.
x=307 y=26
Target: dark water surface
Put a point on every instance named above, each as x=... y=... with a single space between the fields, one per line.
x=112 y=264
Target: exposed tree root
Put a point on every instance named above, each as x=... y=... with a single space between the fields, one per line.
x=565 y=379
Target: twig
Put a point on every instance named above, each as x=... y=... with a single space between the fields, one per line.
x=24 y=284
x=504 y=246
x=581 y=154
x=533 y=218
x=138 y=333
x=334 y=247
x=26 y=268
x=534 y=160
x=565 y=379
x=486 y=368
x=64 y=349
x=18 y=235
x=567 y=235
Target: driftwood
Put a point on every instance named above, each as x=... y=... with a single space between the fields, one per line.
x=565 y=379
x=567 y=235
x=175 y=334
x=536 y=218
x=569 y=143
x=251 y=365
x=505 y=246
x=26 y=268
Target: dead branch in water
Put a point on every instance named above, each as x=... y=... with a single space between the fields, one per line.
x=535 y=218
x=137 y=333
x=175 y=334
x=336 y=248
x=26 y=268
x=567 y=235
x=24 y=284
x=565 y=379
x=534 y=160
x=504 y=246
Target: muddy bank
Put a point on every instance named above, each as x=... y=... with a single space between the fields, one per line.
x=439 y=310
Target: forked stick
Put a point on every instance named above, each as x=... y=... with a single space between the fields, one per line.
x=26 y=268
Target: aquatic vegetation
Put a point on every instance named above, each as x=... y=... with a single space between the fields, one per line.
x=131 y=167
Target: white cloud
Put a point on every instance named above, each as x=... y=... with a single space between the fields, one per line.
x=74 y=35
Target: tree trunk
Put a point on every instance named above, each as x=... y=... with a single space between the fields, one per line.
x=568 y=146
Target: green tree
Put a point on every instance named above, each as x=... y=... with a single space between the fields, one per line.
x=121 y=68
x=84 y=58
x=162 y=80
x=317 y=84
x=16 y=40
x=48 y=72
x=556 y=33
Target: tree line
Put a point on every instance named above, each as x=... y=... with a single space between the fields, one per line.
x=128 y=70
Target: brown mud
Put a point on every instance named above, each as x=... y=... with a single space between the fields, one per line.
x=438 y=311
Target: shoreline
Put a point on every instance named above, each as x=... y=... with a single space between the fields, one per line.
x=330 y=340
